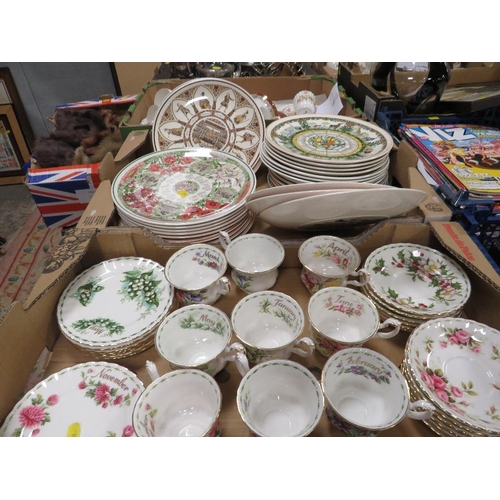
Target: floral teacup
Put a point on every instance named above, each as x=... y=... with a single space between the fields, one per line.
x=366 y=393
x=197 y=274
x=341 y=317
x=329 y=261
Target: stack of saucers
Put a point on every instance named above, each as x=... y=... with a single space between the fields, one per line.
x=186 y=195
x=113 y=309
x=318 y=148
x=414 y=283
x=454 y=364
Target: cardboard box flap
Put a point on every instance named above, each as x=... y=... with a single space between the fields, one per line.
x=70 y=251
x=100 y=210
x=456 y=239
x=131 y=144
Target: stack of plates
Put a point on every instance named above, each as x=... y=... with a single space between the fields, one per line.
x=94 y=399
x=113 y=309
x=210 y=113
x=318 y=148
x=454 y=363
x=186 y=195
x=415 y=283
x=314 y=206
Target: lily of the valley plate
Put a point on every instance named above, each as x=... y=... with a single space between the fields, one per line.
x=210 y=113
x=341 y=207
x=114 y=304
x=328 y=138
x=186 y=187
x=417 y=279
x=94 y=399
x=455 y=362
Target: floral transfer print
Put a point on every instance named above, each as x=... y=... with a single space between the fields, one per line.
x=346 y=428
x=177 y=187
x=242 y=281
x=314 y=283
x=444 y=284
x=85 y=293
x=267 y=307
x=128 y=431
x=142 y=288
x=187 y=298
x=456 y=337
x=203 y=259
x=190 y=323
x=102 y=393
x=35 y=415
x=332 y=253
x=347 y=309
x=102 y=326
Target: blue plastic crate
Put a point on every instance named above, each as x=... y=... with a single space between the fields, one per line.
x=482 y=224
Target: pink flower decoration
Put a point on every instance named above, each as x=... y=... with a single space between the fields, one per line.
x=335 y=258
x=462 y=336
x=102 y=393
x=35 y=433
x=454 y=339
x=32 y=416
x=456 y=391
x=426 y=379
x=82 y=385
x=476 y=349
x=53 y=400
x=118 y=400
x=442 y=395
x=444 y=345
x=128 y=431
x=438 y=382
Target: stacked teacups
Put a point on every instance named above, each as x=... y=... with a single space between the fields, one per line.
x=366 y=393
x=254 y=259
x=113 y=309
x=329 y=261
x=269 y=325
x=197 y=274
x=454 y=364
x=341 y=318
x=199 y=337
x=414 y=283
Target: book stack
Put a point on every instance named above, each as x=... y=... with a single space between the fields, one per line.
x=463 y=160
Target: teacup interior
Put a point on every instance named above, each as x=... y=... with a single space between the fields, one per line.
x=267 y=320
x=195 y=268
x=255 y=254
x=343 y=315
x=280 y=400
x=193 y=335
x=365 y=391
x=187 y=405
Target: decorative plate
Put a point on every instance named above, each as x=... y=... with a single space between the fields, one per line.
x=338 y=208
x=182 y=186
x=94 y=399
x=329 y=138
x=456 y=363
x=114 y=303
x=417 y=279
x=210 y=113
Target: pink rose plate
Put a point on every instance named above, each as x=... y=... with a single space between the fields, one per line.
x=455 y=363
x=94 y=399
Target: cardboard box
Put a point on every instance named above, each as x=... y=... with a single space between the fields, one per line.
x=83 y=248
x=63 y=193
x=358 y=86
x=276 y=88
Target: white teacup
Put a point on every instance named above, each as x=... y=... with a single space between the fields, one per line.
x=280 y=398
x=254 y=259
x=341 y=317
x=366 y=393
x=197 y=274
x=268 y=324
x=198 y=336
x=182 y=403
x=304 y=102
x=329 y=261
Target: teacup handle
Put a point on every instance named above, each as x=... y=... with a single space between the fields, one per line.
x=303 y=347
x=224 y=239
x=152 y=370
x=224 y=286
x=395 y=323
x=237 y=353
x=363 y=275
x=420 y=415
